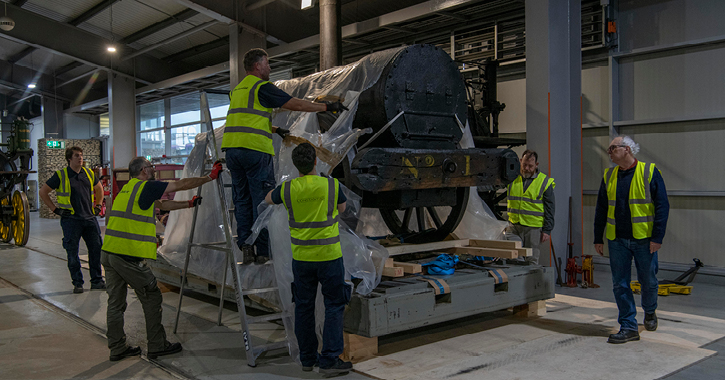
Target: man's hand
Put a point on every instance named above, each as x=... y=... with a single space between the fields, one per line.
x=545 y=237
x=97 y=210
x=282 y=132
x=62 y=212
x=599 y=248
x=216 y=170
x=654 y=247
x=193 y=202
x=335 y=107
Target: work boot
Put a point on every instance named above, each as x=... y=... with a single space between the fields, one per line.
x=171 y=348
x=99 y=286
x=340 y=367
x=130 y=351
x=247 y=253
x=623 y=336
x=262 y=259
x=650 y=321
x=308 y=368
x=77 y=289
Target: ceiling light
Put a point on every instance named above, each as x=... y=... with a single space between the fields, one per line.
x=306 y=4
x=32 y=85
x=111 y=49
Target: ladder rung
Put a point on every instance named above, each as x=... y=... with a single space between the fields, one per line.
x=270 y=346
x=258 y=291
x=264 y=318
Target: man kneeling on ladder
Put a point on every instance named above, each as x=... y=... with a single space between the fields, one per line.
x=130 y=240
x=316 y=258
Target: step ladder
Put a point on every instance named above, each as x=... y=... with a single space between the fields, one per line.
x=232 y=251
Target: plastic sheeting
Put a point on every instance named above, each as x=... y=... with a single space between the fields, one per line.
x=363 y=258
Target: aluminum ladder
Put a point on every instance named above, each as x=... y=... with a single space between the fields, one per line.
x=229 y=247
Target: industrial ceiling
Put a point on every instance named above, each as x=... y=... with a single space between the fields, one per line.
x=176 y=46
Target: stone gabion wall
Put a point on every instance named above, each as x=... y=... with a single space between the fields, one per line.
x=50 y=160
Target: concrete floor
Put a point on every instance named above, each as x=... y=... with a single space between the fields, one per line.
x=49 y=333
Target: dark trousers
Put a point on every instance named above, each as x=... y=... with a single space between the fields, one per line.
x=119 y=274
x=621 y=253
x=73 y=230
x=252 y=178
x=336 y=293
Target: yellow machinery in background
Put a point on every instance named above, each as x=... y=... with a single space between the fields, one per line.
x=676 y=286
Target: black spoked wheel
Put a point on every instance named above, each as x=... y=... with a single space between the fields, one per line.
x=493 y=199
x=431 y=223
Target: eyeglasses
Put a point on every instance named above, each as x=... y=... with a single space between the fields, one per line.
x=150 y=166
x=613 y=147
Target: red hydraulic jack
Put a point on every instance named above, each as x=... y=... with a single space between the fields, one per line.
x=573 y=270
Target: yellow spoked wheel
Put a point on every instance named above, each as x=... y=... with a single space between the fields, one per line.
x=5 y=229
x=21 y=218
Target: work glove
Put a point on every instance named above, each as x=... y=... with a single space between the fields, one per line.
x=216 y=170
x=62 y=212
x=335 y=107
x=193 y=202
x=282 y=132
x=97 y=210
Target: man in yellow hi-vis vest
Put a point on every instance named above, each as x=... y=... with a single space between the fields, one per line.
x=248 y=144
x=531 y=206
x=313 y=203
x=79 y=194
x=130 y=240
x=632 y=206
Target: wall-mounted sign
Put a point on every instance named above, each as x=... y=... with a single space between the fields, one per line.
x=51 y=144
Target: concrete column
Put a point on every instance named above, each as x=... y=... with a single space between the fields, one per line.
x=330 y=34
x=122 y=120
x=553 y=109
x=240 y=41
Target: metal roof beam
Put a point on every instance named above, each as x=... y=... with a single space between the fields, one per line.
x=161 y=25
x=259 y=4
x=196 y=50
x=89 y=14
x=66 y=68
x=171 y=39
x=19 y=3
x=20 y=55
x=70 y=41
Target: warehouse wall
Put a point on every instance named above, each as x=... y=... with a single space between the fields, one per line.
x=671 y=102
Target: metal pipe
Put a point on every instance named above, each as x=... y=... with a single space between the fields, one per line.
x=330 y=34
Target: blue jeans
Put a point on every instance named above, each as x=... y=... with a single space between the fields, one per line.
x=621 y=252
x=73 y=230
x=336 y=293
x=252 y=178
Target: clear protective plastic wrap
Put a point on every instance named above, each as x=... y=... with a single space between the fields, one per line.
x=364 y=259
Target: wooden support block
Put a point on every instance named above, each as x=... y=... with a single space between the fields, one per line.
x=389 y=262
x=488 y=252
x=525 y=252
x=437 y=246
x=409 y=267
x=532 y=309
x=358 y=348
x=502 y=244
x=393 y=272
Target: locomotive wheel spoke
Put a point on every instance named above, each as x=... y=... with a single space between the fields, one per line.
x=406 y=219
x=420 y=218
x=434 y=215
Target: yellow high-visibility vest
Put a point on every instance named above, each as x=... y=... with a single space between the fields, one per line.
x=62 y=193
x=249 y=124
x=311 y=203
x=131 y=231
x=527 y=207
x=640 y=201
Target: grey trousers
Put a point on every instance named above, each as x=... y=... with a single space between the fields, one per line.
x=529 y=236
x=120 y=273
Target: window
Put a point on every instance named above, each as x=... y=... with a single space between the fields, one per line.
x=153 y=144
x=105 y=129
x=151 y=115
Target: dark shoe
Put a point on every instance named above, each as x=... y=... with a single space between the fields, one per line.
x=262 y=259
x=78 y=289
x=338 y=368
x=309 y=368
x=247 y=254
x=650 y=322
x=623 y=336
x=101 y=286
x=130 y=351
x=171 y=348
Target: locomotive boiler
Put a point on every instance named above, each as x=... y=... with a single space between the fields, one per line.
x=413 y=167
